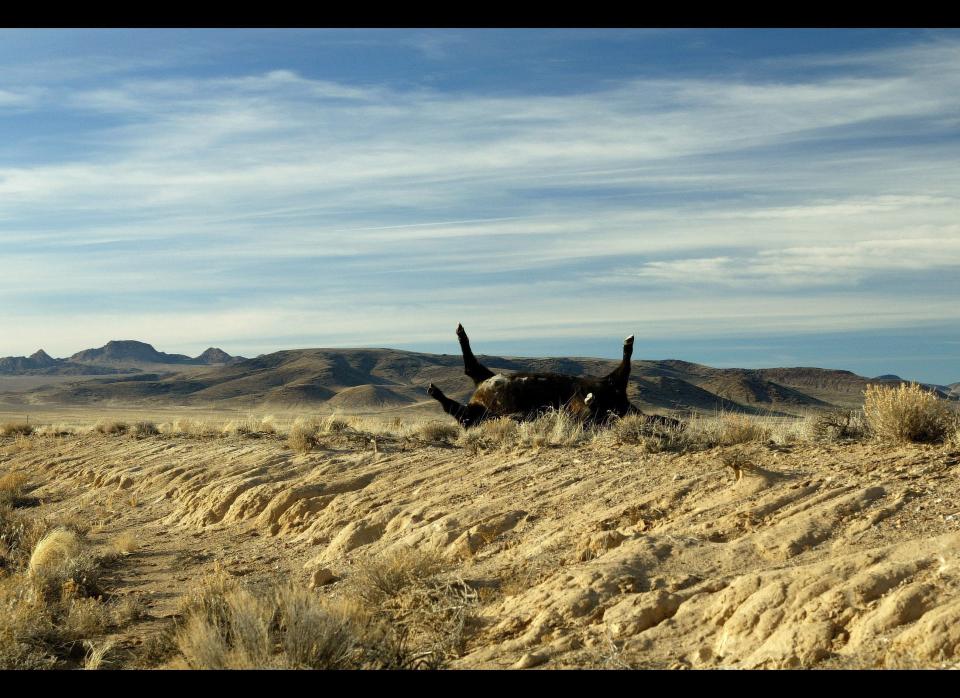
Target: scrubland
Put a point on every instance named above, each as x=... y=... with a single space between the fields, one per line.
x=333 y=541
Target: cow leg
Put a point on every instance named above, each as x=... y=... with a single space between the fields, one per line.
x=466 y=415
x=621 y=373
x=471 y=366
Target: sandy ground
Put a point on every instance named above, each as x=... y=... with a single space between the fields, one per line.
x=841 y=555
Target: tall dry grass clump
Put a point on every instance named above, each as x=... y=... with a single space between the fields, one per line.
x=12 y=487
x=386 y=575
x=16 y=429
x=651 y=437
x=55 y=430
x=184 y=426
x=143 y=428
x=54 y=550
x=50 y=600
x=304 y=435
x=726 y=429
x=111 y=427
x=409 y=592
x=229 y=626
x=437 y=432
x=907 y=413
x=554 y=428
x=502 y=434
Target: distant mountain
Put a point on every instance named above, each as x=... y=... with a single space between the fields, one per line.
x=358 y=380
x=41 y=364
x=115 y=357
x=888 y=377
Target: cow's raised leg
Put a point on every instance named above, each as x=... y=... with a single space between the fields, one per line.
x=471 y=366
x=466 y=415
x=621 y=374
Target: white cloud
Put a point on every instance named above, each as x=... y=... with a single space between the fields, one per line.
x=724 y=185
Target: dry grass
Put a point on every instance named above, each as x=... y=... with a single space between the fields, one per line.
x=907 y=413
x=111 y=426
x=304 y=435
x=124 y=544
x=142 y=429
x=54 y=550
x=12 y=487
x=437 y=432
x=386 y=576
x=228 y=626
x=186 y=427
x=841 y=425
x=649 y=436
x=16 y=429
x=97 y=654
x=553 y=428
x=722 y=429
x=55 y=430
x=50 y=601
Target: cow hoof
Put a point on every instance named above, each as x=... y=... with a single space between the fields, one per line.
x=588 y=399
x=432 y=390
x=460 y=331
x=628 y=341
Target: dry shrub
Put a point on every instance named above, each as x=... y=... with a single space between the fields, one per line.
x=54 y=550
x=236 y=427
x=316 y=635
x=387 y=575
x=16 y=429
x=45 y=604
x=907 y=413
x=54 y=430
x=405 y=590
x=124 y=544
x=12 y=487
x=726 y=429
x=60 y=565
x=268 y=425
x=304 y=435
x=437 y=432
x=141 y=429
x=501 y=433
x=111 y=426
x=649 y=435
x=18 y=536
x=128 y=609
x=554 y=428
x=184 y=426
x=334 y=424
x=96 y=654
x=840 y=425
x=228 y=626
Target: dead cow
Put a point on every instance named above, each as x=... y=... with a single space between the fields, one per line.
x=524 y=396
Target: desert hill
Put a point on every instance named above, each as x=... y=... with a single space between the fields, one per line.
x=358 y=380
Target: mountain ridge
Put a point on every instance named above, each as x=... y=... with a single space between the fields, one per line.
x=116 y=356
x=372 y=379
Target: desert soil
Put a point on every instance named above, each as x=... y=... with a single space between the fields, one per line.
x=839 y=555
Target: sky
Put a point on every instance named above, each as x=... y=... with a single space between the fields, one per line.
x=739 y=198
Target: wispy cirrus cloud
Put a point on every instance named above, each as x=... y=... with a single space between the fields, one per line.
x=253 y=192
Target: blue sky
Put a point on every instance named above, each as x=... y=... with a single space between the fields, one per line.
x=736 y=198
